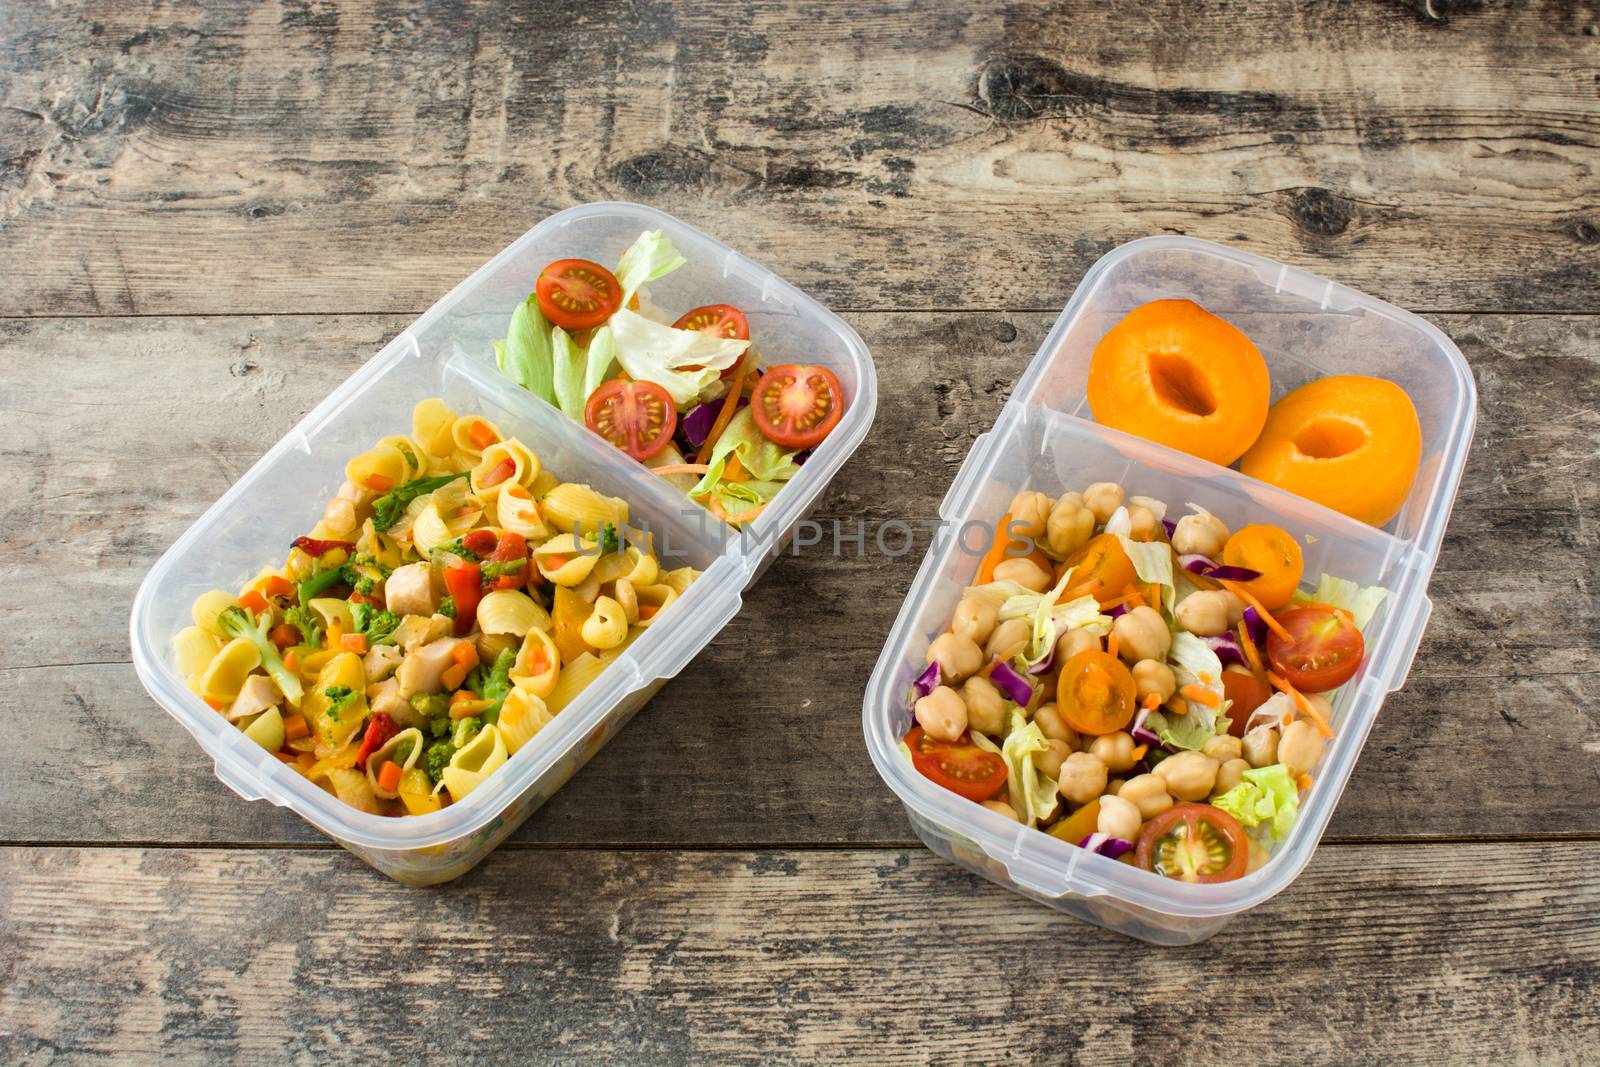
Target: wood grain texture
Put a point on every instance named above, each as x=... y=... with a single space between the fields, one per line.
x=1496 y=732
x=311 y=156
x=1437 y=954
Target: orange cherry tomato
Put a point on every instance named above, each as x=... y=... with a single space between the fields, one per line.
x=1271 y=551
x=960 y=766
x=797 y=406
x=1247 y=693
x=1100 y=569
x=637 y=417
x=577 y=294
x=1095 y=693
x=1193 y=843
x=1322 y=653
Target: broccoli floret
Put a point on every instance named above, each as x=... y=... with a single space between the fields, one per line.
x=339 y=698
x=493 y=684
x=499 y=568
x=377 y=623
x=610 y=539
x=308 y=622
x=237 y=622
x=440 y=727
x=318 y=583
x=466 y=729
x=432 y=706
x=447 y=607
x=438 y=758
x=386 y=510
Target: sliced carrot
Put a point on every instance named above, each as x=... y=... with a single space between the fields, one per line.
x=277 y=585
x=389 y=776
x=295 y=726
x=307 y=760
x=681 y=468
x=1201 y=695
x=379 y=484
x=453 y=676
x=254 y=601
x=465 y=655
x=283 y=635
x=481 y=435
x=646 y=611
x=465 y=709
x=462 y=696
x=1249 y=646
x=730 y=405
x=555 y=563
x=287 y=757
x=291 y=659
x=1302 y=703
x=997 y=552
x=1238 y=590
x=356 y=643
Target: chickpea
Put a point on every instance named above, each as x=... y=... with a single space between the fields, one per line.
x=1083 y=777
x=1223 y=748
x=957 y=656
x=1189 y=775
x=1044 y=692
x=1103 y=498
x=1203 y=613
x=974 y=619
x=942 y=714
x=1003 y=808
x=1229 y=775
x=986 y=708
x=1007 y=636
x=1202 y=532
x=1054 y=728
x=1030 y=511
x=1153 y=676
x=1114 y=750
x=1073 y=642
x=1025 y=572
x=1260 y=746
x=1299 y=748
x=1050 y=760
x=1148 y=792
x=1320 y=702
x=1070 y=525
x=1119 y=818
x=1142 y=634
x=1114 y=786
x=1143 y=523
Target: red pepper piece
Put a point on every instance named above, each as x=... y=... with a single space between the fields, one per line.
x=314 y=546
x=379 y=731
x=464 y=582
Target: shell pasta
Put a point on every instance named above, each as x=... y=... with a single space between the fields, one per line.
x=415 y=639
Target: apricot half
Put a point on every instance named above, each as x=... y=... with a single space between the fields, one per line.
x=1348 y=442
x=1174 y=373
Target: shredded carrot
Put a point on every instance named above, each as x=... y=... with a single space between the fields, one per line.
x=1129 y=597
x=356 y=643
x=1302 y=703
x=1201 y=695
x=284 y=636
x=1206 y=677
x=465 y=655
x=730 y=404
x=1151 y=701
x=295 y=726
x=681 y=468
x=1111 y=644
x=1153 y=594
x=1245 y=595
x=389 y=776
x=1249 y=646
x=277 y=585
x=254 y=601
x=1304 y=781
x=997 y=551
x=738 y=517
x=1139 y=751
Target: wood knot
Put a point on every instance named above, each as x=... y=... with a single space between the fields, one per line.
x=664 y=170
x=1584 y=232
x=1005 y=332
x=1320 y=211
x=1025 y=86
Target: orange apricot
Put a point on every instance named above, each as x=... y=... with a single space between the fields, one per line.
x=1174 y=373
x=1348 y=442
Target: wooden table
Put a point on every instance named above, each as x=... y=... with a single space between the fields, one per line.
x=210 y=215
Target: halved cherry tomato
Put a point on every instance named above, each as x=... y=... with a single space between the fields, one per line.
x=1100 y=569
x=1325 y=650
x=1247 y=693
x=719 y=320
x=637 y=417
x=576 y=294
x=1270 y=550
x=960 y=766
x=511 y=546
x=1193 y=843
x=1095 y=693
x=797 y=406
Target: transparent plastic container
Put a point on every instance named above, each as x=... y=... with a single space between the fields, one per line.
x=1045 y=439
x=448 y=353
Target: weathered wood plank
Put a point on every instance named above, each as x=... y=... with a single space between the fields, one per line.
x=358 y=157
x=108 y=468
x=1456 y=954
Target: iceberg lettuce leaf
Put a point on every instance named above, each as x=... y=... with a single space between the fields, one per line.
x=651 y=352
x=1265 y=795
x=651 y=256
x=1362 y=602
x=526 y=355
x=765 y=461
x=569 y=365
x=598 y=360
x=1031 y=792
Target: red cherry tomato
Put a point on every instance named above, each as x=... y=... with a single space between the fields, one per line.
x=1247 y=693
x=511 y=547
x=637 y=417
x=797 y=406
x=960 y=766
x=576 y=294
x=1322 y=652
x=1194 y=843
x=719 y=320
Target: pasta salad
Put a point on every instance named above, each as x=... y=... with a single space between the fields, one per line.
x=452 y=599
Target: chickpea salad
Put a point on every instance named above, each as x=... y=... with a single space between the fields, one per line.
x=1151 y=690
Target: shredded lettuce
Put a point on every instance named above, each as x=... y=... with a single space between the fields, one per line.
x=651 y=256
x=649 y=351
x=1192 y=660
x=1360 y=601
x=768 y=465
x=569 y=364
x=1265 y=794
x=1152 y=562
x=1189 y=731
x=1031 y=792
x=601 y=354
x=1052 y=621
x=526 y=356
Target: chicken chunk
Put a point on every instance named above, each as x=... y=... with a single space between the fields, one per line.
x=420 y=671
x=380 y=661
x=415 y=631
x=257 y=696
x=384 y=697
x=409 y=590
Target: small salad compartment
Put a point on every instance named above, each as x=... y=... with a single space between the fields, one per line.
x=448 y=354
x=1045 y=440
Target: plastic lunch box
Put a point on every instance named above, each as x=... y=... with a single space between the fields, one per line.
x=448 y=352
x=1306 y=327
